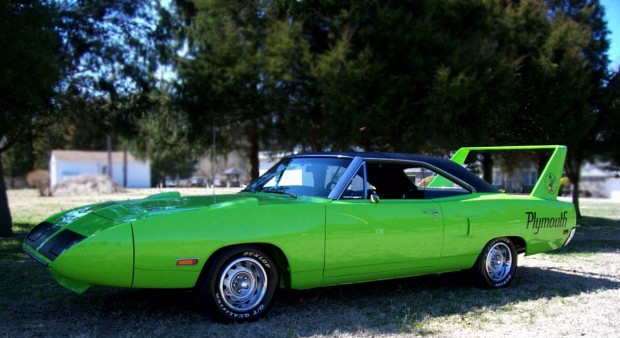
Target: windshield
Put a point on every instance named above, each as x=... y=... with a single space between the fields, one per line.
x=302 y=176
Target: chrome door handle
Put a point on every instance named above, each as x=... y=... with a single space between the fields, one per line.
x=432 y=212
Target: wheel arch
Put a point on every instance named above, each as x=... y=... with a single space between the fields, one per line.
x=273 y=251
x=519 y=243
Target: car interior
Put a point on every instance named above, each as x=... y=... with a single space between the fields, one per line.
x=393 y=180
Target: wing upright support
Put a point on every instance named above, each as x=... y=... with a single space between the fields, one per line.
x=548 y=183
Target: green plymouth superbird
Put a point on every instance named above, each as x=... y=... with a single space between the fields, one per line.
x=312 y=220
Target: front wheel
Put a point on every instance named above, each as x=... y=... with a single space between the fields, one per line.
x=496 y=265
x=238 y=286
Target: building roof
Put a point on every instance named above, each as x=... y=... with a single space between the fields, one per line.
x=91 y=156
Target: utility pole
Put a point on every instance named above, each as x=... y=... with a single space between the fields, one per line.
x=109 y=146
x=213 y=163
x=125 y=168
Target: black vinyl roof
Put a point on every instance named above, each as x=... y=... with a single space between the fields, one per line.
x=441 y=163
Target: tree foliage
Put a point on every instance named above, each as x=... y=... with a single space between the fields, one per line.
x=415 y=75
x=162 y=137
x=30 y=52
x=54 y=52
x=31 y=67
x=397 y=75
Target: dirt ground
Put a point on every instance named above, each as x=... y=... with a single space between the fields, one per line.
x=571 y=292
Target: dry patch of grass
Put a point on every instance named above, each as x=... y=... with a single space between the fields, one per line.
x=574 y=291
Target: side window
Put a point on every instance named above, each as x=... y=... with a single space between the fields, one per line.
x=356 y=189
x=420 y=176
x=409 y=181
x=433 y=184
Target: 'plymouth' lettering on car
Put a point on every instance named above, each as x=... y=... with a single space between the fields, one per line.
x=545 y=222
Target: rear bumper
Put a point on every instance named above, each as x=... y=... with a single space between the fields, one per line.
x=570 y=236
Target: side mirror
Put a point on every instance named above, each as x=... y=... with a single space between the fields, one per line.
x=374 y=198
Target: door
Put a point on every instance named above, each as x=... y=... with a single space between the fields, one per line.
x=387 y=237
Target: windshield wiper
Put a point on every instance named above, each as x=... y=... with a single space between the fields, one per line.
x=278 y=190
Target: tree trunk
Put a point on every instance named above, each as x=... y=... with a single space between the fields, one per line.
x=576 y=196
x=254 y=149
x=573 y=171
x=487 y=167
x=6 y=222
x=576 y=184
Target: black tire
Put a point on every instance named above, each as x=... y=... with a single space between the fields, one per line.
x=238 y=285
x=496 y=265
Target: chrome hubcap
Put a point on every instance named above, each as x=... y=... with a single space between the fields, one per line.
x=499 y=262
x=243 y=284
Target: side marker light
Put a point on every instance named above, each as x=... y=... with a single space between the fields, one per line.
x=187 y=261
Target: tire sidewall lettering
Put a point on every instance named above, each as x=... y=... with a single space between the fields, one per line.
x=237 y=315
x=258 y=257
x=506 y=281
x=259 y=309
x=218 y=301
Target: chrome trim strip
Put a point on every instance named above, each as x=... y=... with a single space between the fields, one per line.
x=447 y=175
x=318 y=155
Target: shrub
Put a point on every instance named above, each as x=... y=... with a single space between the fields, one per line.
x=39 y=179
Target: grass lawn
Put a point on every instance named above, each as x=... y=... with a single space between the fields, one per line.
x=574 y=291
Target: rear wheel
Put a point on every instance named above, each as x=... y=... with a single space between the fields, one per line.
x=239 y=285
x=496 y=265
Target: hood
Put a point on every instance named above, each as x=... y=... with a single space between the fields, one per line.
x=81 y=220
x=172 y=202
x=90 y=219
x=95 y=217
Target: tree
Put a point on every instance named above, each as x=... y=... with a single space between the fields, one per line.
x=563 y=89
x=162 y=135
x=226 y=74
x=94 y=50
x=471 y=98
x=25 y=101
x=545 y=79
x=19 y=160
x=609 y=136
x=403 y=76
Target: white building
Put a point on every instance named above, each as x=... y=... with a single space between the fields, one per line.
x=597 y=180
x=68 y=163
x=238 y=161
x=519 y=180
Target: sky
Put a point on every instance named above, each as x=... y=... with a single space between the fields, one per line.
x=612 y=15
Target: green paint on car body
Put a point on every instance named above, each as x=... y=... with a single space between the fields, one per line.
x=314 y=240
